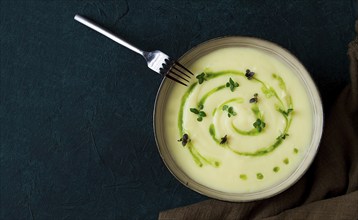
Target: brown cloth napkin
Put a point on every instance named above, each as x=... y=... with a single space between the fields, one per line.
x=329 y=189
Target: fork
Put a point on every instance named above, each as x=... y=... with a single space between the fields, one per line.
x=156 y=60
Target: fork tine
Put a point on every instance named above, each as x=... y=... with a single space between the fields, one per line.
x=170 y=71
x=174 y=67
x=177 y=63
x=174 y=72
x=178 y=81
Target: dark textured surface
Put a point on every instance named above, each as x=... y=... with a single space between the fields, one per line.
x=76 y=108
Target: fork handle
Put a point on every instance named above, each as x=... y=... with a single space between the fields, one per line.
x=107 y=33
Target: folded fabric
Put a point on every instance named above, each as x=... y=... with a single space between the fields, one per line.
x=329 y=189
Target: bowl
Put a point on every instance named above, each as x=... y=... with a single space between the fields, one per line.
x=182 y=166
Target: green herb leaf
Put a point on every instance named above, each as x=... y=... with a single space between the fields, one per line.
x=232 y=84
x=276 y=169
x=230 y=110
x=282 y=136
x=259 y=125
x=194 y=110
x=286 y=113
x=201 y=77
x=202 y=114
x=201 y=107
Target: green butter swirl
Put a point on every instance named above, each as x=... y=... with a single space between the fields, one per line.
x=281 y=106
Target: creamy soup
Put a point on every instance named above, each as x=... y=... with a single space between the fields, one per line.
x=242 y=125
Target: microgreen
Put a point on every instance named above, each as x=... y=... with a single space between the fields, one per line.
x=232 y=84
x=249 y=75
x=201 y=77
x=194 y=110
x=286 y=113
x=230 y=110
x=259 y=176
x=223 y=140
x=184 y=140
x=259 y=125
x=254 y=99
x=201 y=114
x=282 y=136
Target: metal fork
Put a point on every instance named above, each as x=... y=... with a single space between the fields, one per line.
x=156 y=60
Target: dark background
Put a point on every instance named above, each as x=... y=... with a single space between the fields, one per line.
x=76 y=108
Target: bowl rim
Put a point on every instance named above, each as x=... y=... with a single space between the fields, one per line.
x=309 y=157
